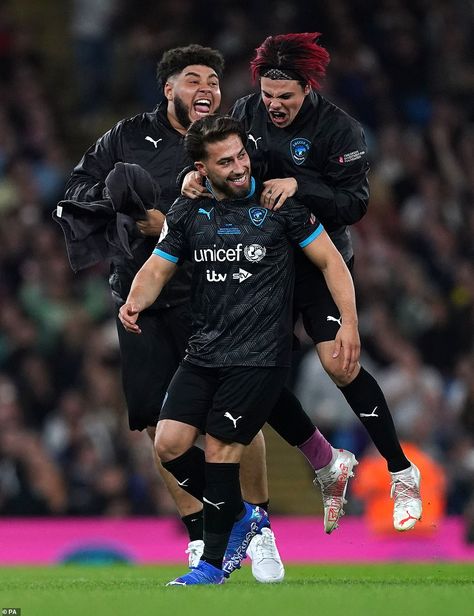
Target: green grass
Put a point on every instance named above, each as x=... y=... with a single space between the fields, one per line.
x=365 y=590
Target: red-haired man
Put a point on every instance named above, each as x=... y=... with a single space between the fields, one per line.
x=306 y=147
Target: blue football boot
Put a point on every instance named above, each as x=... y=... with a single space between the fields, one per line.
x=203 y=573
x=243 y=531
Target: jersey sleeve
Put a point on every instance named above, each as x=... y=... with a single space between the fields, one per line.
x=172 y=244
x=302 y=226
x=340 y=194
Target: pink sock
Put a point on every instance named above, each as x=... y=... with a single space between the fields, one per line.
x=317 y=450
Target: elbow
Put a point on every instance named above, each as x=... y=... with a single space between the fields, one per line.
x=361 y=210
x=355 y=212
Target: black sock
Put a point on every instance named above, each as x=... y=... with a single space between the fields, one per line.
x=289 y=420
x=367 y=401
x=263 y=506
x=222 y=504
x=189 y=471
x=194 y=525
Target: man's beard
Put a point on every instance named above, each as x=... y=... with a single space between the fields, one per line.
x=230 y=192
x=182 y=113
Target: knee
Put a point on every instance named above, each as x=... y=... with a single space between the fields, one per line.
x=166 y=447
x=334 y=369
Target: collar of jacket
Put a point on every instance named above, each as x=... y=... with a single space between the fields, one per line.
x=161 y=113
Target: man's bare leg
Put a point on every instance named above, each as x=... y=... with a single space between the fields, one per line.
x=253 y=472
x=185 y=503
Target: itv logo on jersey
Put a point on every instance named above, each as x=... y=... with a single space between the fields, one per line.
x=212 y=276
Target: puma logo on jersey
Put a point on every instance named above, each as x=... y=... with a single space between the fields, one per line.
x=373 y=414
x=208 y=213
x=252 y=138
x=234 y=421
x=329 y=318
x=155 y=142
x=216 y=505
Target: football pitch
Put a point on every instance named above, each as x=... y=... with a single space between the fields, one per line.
x=379 y=590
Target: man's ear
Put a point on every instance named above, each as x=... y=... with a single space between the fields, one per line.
x=201 y=168
x=307 y=89
x=168 y=91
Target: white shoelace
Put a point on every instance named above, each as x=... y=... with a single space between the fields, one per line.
x=265 y=547
x=404 y=490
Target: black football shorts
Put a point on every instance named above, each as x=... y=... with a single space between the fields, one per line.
x=229 y=403
x=150 y=359
x=313 y=301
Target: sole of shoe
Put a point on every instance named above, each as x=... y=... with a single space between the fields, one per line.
x=273 y=580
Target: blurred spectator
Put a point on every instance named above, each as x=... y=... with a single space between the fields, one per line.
x=91 y=33
x=30 y=481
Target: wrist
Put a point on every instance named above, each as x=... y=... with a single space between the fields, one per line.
x=349 y=320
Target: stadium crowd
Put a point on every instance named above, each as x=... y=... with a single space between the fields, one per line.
x=404 y=69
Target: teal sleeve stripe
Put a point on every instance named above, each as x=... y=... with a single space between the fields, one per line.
x=317 y=232
x=165 y=255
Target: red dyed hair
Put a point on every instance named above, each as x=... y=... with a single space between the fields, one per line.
x=298 y=53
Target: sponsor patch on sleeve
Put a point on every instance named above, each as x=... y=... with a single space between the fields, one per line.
x=351 y=156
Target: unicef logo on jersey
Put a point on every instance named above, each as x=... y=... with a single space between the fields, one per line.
x=254 y=253
x=257 y=215
x=299 y=149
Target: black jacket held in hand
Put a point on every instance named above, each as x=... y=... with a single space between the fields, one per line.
x=147 y=140
x=106 y=229
x=324 y=149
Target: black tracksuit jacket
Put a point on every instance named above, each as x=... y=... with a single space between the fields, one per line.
x=324 y=149
x=148 y=140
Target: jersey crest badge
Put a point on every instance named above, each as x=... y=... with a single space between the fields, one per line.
x=299 y=150
x=257 y=215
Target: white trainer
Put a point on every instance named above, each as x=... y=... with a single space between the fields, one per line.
x=407 y=508
x=267 y=567
x=333 y=480
x=195 y=550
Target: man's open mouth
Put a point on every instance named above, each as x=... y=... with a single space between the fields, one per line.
x=202 y=106
x=278 y=116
